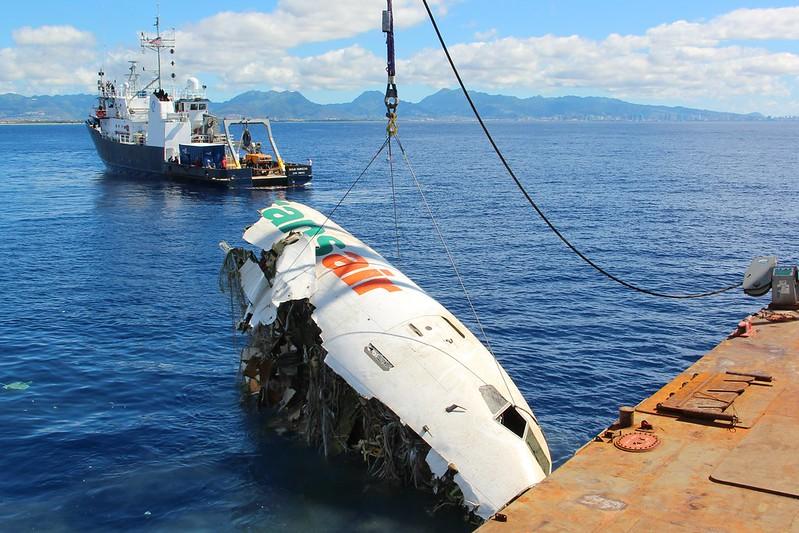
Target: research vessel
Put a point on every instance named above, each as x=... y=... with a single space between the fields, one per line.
x=146 y=131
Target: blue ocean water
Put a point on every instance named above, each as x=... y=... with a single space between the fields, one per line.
x=112 y=314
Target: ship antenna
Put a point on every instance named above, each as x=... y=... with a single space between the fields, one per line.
x=158 y=40
x=156 y=44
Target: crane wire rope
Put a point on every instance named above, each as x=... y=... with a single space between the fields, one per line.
x=320 y=229
x=535 y=206
x=454 y=265
x=353 y=184
x=394 y=198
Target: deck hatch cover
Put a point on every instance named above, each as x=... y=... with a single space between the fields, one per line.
x=707 y=396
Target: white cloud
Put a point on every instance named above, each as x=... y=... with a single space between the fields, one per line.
x=688 y=61
x=241 y=48
x=680 y=60
x=757 y=24
x=258 y=53
x=735 y=55
x=48 y=59
x=347 y=68
x=293 y=23
x=487 y=35
x=52 y=36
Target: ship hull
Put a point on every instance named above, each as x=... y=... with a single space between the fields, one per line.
x=128 y=158
x=148 y=162
x=295 y=176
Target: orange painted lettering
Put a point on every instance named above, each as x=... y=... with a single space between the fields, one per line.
x=376 y=283
x=356 y=272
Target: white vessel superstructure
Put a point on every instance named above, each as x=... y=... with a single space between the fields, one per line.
x=143 y=129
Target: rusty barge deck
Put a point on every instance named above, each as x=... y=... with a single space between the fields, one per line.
x=718 y=451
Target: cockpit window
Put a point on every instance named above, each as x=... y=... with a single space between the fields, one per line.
x=511 y=419
x=493 y=399
x=538 y=452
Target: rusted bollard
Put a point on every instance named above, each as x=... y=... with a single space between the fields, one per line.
x=626 y=416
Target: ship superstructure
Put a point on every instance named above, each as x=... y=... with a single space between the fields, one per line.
x=144 y=130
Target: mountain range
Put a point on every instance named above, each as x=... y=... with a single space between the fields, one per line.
x=445 y=104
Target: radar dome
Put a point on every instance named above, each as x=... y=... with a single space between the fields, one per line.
x=192 y=84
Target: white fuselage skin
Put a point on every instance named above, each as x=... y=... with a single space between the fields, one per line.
x=442 y=382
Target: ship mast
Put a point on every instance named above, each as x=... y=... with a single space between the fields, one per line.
x=158 y=49
x=133 y=76
x=156 y=44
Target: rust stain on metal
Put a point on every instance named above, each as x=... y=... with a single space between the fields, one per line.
x=704 y=475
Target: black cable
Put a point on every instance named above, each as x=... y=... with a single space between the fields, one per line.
x=530 y=200
x=352 y=186
x=452 y=262
x=354 y=183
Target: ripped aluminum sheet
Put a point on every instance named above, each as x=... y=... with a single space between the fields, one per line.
x=295 y=279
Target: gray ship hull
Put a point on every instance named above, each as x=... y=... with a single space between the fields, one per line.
x=148 y=161
x=128 y=158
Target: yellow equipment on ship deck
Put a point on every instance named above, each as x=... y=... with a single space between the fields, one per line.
x=257 y=159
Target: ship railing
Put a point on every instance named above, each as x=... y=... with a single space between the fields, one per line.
x=138 y=112
x=178 y=117
x=200 y=138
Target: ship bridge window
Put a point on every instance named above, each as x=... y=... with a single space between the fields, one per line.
x=202 y=106
x=193 y=107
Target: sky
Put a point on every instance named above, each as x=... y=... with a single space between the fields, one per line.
x=722 y=55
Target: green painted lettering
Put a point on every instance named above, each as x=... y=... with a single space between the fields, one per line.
x=325 y=243
x=313 y=230
x=281 y=215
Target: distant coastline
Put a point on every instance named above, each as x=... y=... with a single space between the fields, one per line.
x=39 y=122
x=442 y=120
x=446 y=104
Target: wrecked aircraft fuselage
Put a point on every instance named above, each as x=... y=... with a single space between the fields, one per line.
x=355 y=357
